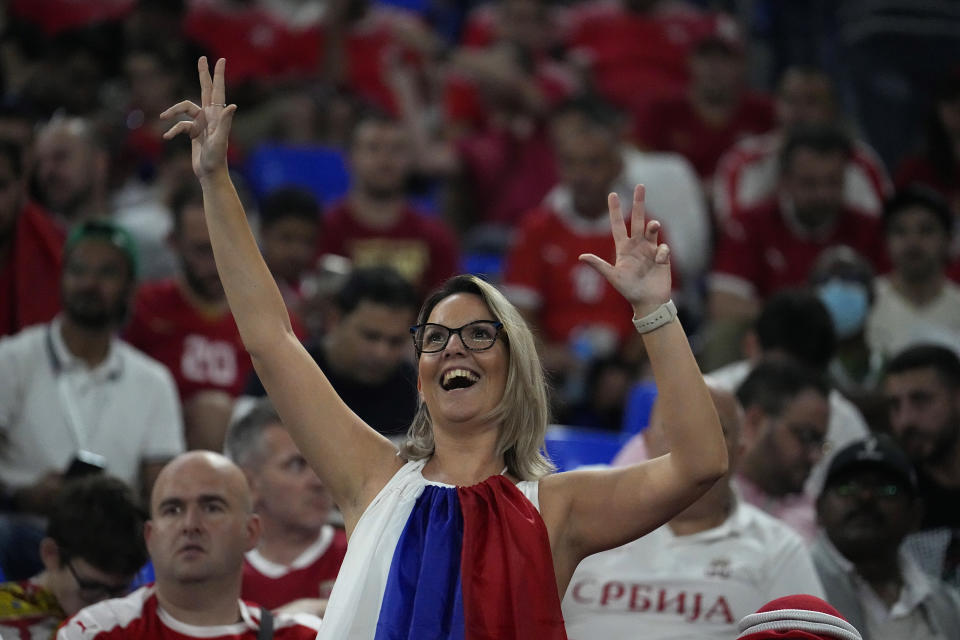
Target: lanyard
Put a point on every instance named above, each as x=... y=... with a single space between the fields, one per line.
x=78 y=428
x=72 y=415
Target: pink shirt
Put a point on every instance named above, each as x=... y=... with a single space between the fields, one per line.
x=796 y=510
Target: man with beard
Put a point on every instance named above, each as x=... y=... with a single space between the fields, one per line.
x=922 y=388
x=184 y=323
x=868 y=506
x=70 y=170
x=31 y=248
x=786 y=413
x=773 y=245
x=71 y=387
x=376 y=224
x=299 y=553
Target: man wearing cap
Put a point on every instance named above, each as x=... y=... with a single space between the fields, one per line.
x=70 y=387
x=868 y=505
x=801 y=617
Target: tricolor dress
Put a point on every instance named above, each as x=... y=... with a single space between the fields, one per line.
x=430 y=561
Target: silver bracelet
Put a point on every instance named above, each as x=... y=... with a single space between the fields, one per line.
x=657 y=318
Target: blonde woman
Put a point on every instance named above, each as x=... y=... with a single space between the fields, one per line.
x=465 y=532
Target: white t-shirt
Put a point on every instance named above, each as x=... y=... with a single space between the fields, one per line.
x=895 y=323
x=52 y=405
x=669 y=587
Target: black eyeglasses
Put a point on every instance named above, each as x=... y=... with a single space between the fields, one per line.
x=476 y=336
x=94 y=590
x=809 y=439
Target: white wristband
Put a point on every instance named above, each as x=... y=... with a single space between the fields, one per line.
x=660 y=316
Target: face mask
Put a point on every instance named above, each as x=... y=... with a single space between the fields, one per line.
x=847 y=303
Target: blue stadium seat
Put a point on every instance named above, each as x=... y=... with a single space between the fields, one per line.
x=417 y=6
x=321 y=170
x=570 y=447
x=144 y=576
x=488 y=265
x=636 y=414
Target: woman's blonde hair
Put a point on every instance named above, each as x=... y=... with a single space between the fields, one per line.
x=522 y=412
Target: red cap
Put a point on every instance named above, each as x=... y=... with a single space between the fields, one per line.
x=803 y=617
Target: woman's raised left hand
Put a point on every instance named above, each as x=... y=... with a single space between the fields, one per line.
x=641 y=272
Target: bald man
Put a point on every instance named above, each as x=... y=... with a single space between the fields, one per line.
x=698 y=575
x=71 y=169
x=202 y=522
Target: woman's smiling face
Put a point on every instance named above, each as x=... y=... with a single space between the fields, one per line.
x=457 y=384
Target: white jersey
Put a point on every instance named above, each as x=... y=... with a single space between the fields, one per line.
x=669 y=587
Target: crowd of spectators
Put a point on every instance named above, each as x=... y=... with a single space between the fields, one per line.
x=806 y=173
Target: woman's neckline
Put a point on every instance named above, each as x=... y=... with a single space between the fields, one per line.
x=446 y=485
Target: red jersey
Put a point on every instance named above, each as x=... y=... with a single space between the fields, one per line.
x=464 y=102
x=261 y=46
x=761 y=251
x=544 y=272
x=202 y=351
x=636 y=57
x=370 y=45
x=311 y=575
x=30 y=276
x=256 y=44
x=747 y=174
x=139 y=615
x=672 y=124
x=463 y=99
x=422 y=249
x=507 y=174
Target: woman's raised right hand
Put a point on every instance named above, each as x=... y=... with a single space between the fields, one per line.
x=208 y=125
